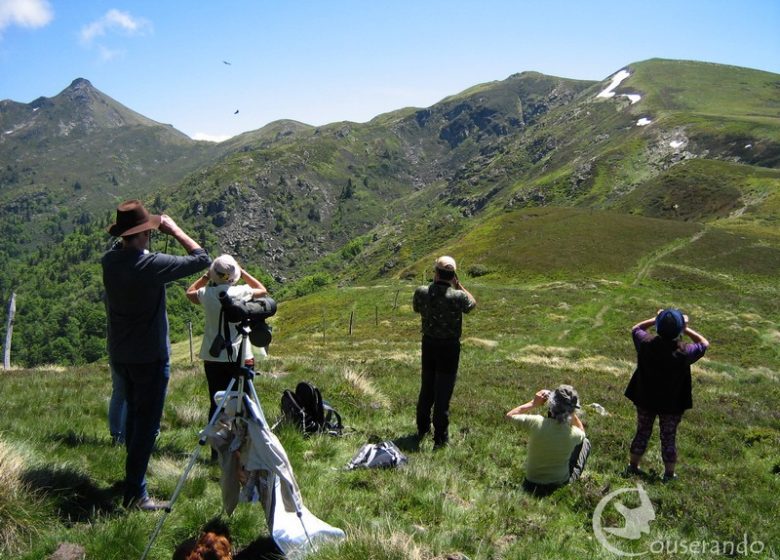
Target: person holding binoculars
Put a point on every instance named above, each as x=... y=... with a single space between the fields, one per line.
x=557 y=446
x=221 y=358
x=661 y=383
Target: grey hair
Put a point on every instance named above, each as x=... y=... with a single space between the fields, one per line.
x=562 y=403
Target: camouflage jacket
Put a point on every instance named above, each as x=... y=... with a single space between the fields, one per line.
x=441 y=308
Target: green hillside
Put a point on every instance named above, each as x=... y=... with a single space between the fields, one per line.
x=512 y=176
x=544 y=317
x=698 y=88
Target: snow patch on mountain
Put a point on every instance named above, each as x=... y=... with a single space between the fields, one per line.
x=616 y=79
x=609 y=92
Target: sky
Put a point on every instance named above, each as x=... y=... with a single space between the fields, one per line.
x=193 y=64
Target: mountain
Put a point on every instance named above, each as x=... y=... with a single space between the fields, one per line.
x=312 y=190
x=670 y=139
x=82 y=151
x=533 y=176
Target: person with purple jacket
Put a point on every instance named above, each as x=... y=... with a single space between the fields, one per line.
x=661 y=383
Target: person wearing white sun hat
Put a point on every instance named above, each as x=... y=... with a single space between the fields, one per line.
x=222 y=277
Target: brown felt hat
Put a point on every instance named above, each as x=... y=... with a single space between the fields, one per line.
x=132 y=217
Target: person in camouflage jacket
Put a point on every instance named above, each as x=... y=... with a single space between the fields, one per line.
x=441 y=306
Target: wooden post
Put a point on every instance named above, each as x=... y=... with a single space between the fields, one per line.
x=189 y=328
x=351 y=317
x=9 y=329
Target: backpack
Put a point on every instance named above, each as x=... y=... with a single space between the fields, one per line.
x=377 y=455
x=306 y=409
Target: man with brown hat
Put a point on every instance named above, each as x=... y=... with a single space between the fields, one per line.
x=138 y=343
x=441 y=305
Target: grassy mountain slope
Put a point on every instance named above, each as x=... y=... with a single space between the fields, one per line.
x=314 y=190
x=483 y=174
x=570 y=223
x=543 y=318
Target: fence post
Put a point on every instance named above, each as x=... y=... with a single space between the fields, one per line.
x=189 y=328
x=9 y=329
x=351 y=317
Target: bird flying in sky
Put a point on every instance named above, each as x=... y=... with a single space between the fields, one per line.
x=226 y=62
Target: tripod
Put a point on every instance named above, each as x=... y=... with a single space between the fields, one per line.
x=242 y=380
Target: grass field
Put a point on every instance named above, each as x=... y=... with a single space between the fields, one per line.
x=538 y=324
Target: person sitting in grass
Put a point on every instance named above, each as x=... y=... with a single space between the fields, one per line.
x=661 y=383
x=557 y=446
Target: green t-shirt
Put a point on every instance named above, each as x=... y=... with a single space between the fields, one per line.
x=550 y=445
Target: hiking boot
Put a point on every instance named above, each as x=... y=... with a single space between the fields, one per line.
x=631 y=470
x=669 y=477
x=148 y=503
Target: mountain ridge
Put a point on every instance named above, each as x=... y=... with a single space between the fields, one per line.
x=360 y=203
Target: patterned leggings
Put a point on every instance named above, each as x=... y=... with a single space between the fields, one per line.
x=644 y=428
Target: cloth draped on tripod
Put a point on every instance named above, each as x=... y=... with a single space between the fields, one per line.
x=255 y=468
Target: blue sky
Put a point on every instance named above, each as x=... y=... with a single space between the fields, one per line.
x=331 y=60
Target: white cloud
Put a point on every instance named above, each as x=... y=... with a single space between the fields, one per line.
x=107 y=54
x=25 y=13
x=210 y=137
x=114 y=21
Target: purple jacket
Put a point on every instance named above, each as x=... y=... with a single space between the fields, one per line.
x=662 y=380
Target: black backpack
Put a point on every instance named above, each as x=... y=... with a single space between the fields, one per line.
x=306 y=409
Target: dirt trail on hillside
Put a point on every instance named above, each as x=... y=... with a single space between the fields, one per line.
x=646 y=265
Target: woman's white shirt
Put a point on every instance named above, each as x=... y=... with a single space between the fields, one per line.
x=209 y=299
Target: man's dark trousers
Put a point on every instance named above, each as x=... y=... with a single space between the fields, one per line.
x=147 y=385
x=440 y=359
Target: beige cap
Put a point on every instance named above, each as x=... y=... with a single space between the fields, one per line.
x=224 y=270
x=445 y=263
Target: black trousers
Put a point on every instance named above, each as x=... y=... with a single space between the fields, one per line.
x=440 y=358
x=218 y=375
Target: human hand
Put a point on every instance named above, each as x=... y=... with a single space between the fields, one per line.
x=541 y=397
x=167 y=225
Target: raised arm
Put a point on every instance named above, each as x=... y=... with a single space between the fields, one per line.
x=258 y=290
x=540 y=398
x=192 y=291
x=169 y=227
x=644 y=325
x=696 y=337
x=458 y=286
